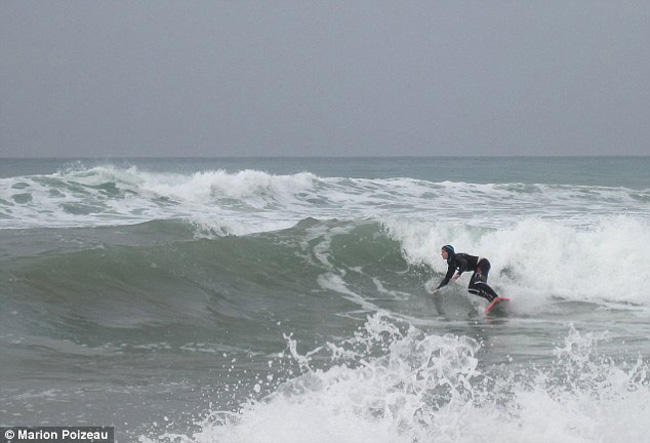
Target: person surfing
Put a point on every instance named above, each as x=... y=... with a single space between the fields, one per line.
x=458 y=263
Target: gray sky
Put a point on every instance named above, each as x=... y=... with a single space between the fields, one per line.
x=319 y=78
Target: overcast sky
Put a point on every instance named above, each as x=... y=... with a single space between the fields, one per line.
x=321 y=78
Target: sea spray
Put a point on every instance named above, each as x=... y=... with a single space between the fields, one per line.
x=380 y=383
x=392 y=382
x=537 y=260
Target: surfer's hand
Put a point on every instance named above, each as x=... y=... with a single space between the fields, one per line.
x=456 y=277
x=435 y=291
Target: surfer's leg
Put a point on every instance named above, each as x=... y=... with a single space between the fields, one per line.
x=483 y=290
x=478 y=283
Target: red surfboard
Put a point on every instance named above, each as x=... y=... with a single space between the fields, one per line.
x=494 y=302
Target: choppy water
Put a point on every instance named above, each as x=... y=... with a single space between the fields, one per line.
x=243 y=300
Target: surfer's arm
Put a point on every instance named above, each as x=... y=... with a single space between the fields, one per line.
x=450 y=274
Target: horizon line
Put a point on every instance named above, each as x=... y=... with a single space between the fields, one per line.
x=151 y=157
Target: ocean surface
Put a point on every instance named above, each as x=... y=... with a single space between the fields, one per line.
x=286 y=300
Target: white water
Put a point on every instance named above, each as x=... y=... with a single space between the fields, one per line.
x=392 y=383
x=539 y=259
x=254 y=201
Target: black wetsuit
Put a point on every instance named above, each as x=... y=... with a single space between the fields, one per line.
x=478 y=283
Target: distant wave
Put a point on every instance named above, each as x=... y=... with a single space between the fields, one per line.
x=255 y=201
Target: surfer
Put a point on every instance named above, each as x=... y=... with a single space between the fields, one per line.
x=458 y=263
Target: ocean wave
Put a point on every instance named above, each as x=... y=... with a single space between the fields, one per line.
x=537 y=260
x=255 y=201
x=162 y=273
x=145 y=283
x=392 y=382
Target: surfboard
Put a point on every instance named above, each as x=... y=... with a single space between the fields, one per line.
x=494 y=303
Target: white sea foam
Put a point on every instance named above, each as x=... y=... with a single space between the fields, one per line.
x=397 y=384
x=256 y=201
x=534 y=259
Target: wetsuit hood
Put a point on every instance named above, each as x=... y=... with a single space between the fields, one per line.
x=450 y=252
